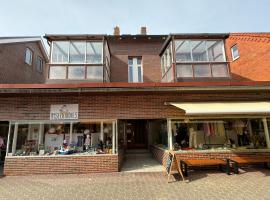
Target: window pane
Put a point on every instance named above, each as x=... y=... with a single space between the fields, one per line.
x=57 y=73
x=139 y=61
x=202 y=71
x=184 y=71
x=39 y=65
x=94 y=52
x=215 y=50
x=77 y=72
x=169 y=58
x=28 y=56
x=139 y=74
x=198 y=50
x=60 y=51
x=95 y=73
x=235 y=53
x=130 y=74
x=170 y=75
x=182 y=50
x=220 y=70
x=77 y=52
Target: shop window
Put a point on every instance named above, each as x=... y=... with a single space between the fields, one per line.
x=80 y=138
x=239 y=134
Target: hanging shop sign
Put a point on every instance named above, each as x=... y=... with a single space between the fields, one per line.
x=64 y=112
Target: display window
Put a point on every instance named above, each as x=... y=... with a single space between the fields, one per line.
x=200 y=134
x=61 y=138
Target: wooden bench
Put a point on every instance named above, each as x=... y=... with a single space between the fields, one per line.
x=184 y=164
x=236 y=161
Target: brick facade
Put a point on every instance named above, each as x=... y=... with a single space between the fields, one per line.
x=30 y=165
x=134 y=105
x=254 y=51
x=147 y=48
x=13 y=68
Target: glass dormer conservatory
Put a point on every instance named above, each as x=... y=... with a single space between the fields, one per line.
x=79 y=58
x=194 y=58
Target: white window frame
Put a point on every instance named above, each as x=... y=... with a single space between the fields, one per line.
x=31 y=56
x=135 y=74
x=235 y=58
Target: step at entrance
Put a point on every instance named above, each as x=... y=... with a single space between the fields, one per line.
x=140 y=160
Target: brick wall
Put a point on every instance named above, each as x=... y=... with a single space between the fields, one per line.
x=13 y=68
x=254 y=50
x=111 y=105
x=20 y=166
x=149 y=49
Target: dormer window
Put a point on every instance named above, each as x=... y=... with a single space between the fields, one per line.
x=195 y=59
x=80 y=60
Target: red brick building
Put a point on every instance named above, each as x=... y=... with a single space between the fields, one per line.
x=106 y=94
x=22 y=60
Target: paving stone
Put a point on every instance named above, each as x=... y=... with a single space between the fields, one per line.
x=205 y=184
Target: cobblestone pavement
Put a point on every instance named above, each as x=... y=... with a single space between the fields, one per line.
x=205 y=184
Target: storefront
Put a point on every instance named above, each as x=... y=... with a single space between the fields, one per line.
x=86 y=130
x=217 y=130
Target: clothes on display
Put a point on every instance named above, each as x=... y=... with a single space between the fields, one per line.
x=192 y=138
x=2 y=143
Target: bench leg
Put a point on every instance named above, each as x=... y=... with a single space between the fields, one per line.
x=183 y=166
x=228 y=167
x=236 y=168
x=266 y=165
x=220 y=167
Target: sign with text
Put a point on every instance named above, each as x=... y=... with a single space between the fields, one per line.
x=64 y=112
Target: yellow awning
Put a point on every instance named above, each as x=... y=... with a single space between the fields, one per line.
x=223 y=107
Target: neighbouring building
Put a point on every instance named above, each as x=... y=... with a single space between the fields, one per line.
x=22 y=60
x=203 y=95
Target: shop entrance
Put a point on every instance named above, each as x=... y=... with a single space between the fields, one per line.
x=136 y=134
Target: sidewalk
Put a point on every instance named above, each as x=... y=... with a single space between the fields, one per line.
x=202 y=185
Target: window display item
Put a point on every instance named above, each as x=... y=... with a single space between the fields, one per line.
x=87 y=142
x=192 y=138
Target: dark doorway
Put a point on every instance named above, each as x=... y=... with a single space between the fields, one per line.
x=136 y=134
x=4 y=125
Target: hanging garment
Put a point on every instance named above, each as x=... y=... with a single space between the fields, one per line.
x=206 y=129
x=192 y=138
x=2 y=143
x=221 y=129
x=212 y=129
